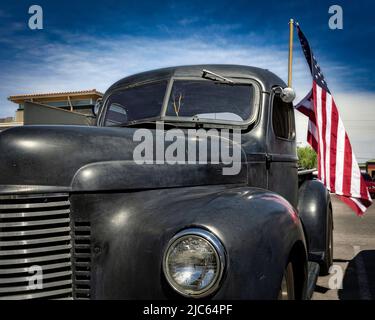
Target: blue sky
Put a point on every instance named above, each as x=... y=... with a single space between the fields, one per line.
x=91 y=44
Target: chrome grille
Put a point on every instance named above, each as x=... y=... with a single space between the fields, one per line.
x=82 y=260
x=35 y=231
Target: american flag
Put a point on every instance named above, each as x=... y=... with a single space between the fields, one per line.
x=337 y=166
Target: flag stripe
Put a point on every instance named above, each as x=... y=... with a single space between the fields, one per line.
x=354 y=204
x=318 y=102
x=340 y=156
x=347 y=179
x=334 y=127
x=327 y=121
x=324 y=135
x=312 y=141
x=337 y=165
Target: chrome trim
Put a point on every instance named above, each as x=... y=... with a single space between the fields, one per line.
x=18 y=191
x=46 y=276
x=26 y=269
x=34 y=250
x=34 y=232
x=35 y=229
x=38 y=295
x=45 y=285
x=35 y=259
x=33 y=223
x=34 y=205
x=33 y=241
x=220 y=253
x=33 y=214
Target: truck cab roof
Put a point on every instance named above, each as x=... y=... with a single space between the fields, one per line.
x=266 y=78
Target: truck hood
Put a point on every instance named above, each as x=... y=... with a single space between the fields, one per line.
x=75 y=158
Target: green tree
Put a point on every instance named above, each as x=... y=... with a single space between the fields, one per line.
x=306 y=157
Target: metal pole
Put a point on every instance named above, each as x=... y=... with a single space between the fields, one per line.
x=70 y=104
x=290 y=62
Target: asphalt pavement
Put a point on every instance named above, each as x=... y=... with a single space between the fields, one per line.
x=353 y=271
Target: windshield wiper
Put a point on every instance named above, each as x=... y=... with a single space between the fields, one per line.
x=207 y=74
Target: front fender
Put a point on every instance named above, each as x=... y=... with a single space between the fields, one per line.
x=130 y=232
x=313 y=207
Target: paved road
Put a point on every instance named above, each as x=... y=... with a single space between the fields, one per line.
x=354 y=256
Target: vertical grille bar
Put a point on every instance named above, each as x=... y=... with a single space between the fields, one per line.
x=35 y=236
x=82 y=260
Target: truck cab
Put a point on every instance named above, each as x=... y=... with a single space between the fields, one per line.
x=103 y=224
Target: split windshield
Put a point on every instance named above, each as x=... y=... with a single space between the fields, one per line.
x=210 y=100
x=189 y=100
x=135 y=103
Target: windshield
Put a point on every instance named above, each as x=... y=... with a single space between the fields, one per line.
x=211 y=100
x=188 y=100
x=135 y=103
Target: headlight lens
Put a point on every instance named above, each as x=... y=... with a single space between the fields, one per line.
x=194 y=262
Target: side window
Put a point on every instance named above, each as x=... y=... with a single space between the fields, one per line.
x=116 y=114
x=135 y=102
x=283 y=119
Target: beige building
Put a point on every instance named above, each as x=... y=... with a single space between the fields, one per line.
x=76 y=102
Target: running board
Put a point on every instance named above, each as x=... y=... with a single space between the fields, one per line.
x=313 y=273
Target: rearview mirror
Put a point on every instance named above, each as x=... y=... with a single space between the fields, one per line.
x=286 y=94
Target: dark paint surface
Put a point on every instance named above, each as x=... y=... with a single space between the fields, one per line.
x=314 y=202
x=132 y=230
x=93 y=159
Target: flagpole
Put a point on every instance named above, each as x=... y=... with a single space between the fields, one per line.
x=290 y=61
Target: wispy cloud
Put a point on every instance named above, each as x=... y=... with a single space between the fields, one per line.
x=78 y=62
x=188 y=21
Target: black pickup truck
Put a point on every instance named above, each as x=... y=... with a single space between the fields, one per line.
x=96 y=224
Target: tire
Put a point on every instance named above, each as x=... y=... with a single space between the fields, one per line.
x=328 y=254
x=287 y=284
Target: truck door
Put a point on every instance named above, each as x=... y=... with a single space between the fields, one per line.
x=282 y=166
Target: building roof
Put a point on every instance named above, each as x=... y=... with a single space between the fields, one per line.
x=21 y=97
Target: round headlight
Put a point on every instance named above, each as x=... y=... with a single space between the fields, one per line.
x=194 y=262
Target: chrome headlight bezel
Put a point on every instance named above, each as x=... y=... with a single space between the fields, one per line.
x=220 y=255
